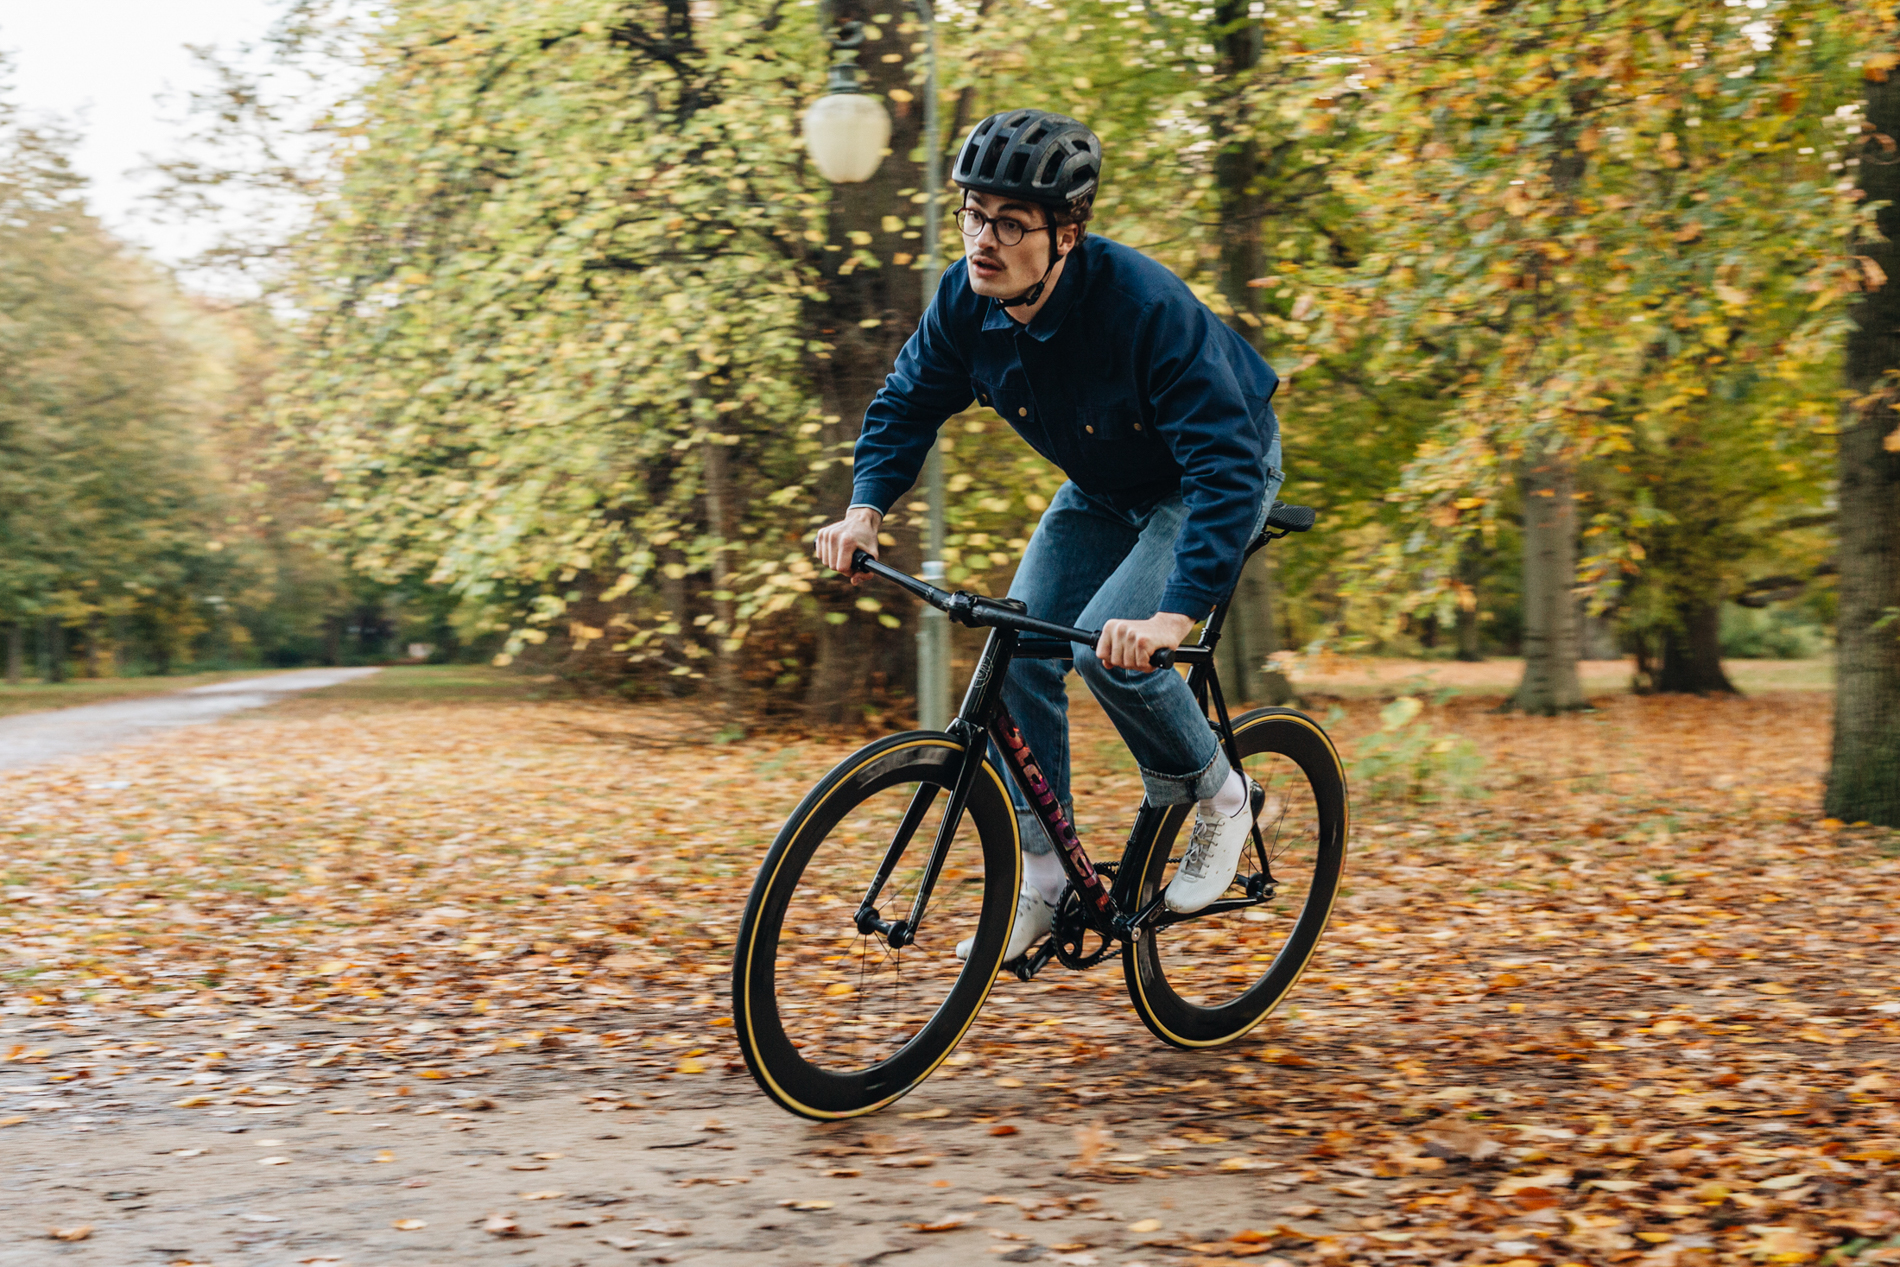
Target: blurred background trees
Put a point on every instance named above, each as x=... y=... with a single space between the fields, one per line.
x=563 y=362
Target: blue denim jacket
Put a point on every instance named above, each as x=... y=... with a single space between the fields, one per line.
x=1124 y=380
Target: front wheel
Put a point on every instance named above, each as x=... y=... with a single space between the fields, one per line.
x=835 y=1023
x=1211 y=977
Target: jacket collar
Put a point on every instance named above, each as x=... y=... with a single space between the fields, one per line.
x=1049 y=320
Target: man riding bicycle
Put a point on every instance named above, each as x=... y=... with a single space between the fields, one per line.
x=1158 y=413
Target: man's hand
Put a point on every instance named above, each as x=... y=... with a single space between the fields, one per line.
x=838 y=542
x=1127 y=644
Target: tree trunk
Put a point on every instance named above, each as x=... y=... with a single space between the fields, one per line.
x=1863 y=783
x=54 y=644
x=1247 y=638
x=96 y=645
x=1692 y=652
x=1248 y=635
x=1550 y=684
x=679 y=618
x=1470 y=574
x=868 y=311
x=16 y=653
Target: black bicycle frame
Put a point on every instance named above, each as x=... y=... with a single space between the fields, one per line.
x=1109 y=911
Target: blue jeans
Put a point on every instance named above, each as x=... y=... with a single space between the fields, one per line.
x=1088 y=563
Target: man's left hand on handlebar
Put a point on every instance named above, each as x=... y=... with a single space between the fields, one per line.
x=1128 y=644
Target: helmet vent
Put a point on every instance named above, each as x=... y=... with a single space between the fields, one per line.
x=1017 y=162
x=987 y=168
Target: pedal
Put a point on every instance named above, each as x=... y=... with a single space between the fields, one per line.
x=1036 y=960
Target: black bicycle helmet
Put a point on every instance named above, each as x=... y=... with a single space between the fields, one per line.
x=1031 y=154
x=1037 y=156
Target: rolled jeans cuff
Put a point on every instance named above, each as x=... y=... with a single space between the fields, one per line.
x=1181 y=789
x=1029 y=828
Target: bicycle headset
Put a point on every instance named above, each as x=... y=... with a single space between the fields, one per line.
x=1037 y=156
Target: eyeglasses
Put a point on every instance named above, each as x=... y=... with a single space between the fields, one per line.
x=1009 y=231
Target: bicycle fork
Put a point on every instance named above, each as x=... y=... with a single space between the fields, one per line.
x=900 y=933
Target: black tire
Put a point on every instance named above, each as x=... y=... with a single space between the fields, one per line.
x=833 y=1023
x=1211 y=978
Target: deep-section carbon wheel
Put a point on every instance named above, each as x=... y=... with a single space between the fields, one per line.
x=835 y=1023
x=1210 y=978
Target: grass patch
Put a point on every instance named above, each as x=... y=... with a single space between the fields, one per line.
x=421 y=684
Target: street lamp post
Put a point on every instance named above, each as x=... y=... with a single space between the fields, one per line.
x=846 y=132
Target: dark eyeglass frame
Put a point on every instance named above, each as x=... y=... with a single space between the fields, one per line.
x=966 y=214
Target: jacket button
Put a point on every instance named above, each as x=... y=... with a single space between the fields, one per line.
x=1022 y=413
x=1137 y=426
x=1089 y=429
x=984 y=399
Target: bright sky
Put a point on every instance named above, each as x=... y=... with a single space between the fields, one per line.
x=103 y=66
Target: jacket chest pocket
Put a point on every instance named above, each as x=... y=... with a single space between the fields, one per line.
x=1114 y=433
x=1016 y=406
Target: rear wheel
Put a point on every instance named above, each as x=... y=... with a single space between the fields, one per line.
x=1212 y=976
x=833 y=1022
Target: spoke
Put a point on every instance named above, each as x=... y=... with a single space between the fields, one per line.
x=1286 y=803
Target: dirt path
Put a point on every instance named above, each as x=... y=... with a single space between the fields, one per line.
x=462 y=968
x=32 y=738
x=586 y=1160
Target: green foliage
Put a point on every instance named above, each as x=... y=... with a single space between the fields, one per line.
x=104 y=482
x=1620 y=227
x=560 y=311
x=1775 y=633
x=135 y=507
x=1409 y=759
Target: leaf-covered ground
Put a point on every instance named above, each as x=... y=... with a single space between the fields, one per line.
x=1636 y=1003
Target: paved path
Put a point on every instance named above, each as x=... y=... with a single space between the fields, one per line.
x=31 y=738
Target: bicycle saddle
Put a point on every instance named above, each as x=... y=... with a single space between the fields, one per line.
x=1291 y=518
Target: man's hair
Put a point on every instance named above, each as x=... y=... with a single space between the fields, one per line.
x=1078 y=213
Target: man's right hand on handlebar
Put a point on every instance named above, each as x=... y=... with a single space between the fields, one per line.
x=838 y=542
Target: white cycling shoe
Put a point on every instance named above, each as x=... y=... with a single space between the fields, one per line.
x=1213 y=854
x=1035 y=919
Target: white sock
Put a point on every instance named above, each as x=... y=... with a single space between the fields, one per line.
x=1044 y=873
x=1232 y=797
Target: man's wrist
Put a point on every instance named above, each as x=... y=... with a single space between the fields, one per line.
x=859 y=510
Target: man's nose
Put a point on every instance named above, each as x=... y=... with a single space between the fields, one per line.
x=989 y=230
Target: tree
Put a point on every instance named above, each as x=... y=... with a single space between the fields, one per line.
x=111 y=510
x=1586 y=223
x=1864 y=776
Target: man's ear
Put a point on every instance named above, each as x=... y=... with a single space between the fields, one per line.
x=1066 y=238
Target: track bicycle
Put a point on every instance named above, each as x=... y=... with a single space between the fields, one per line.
x=841 y=1008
